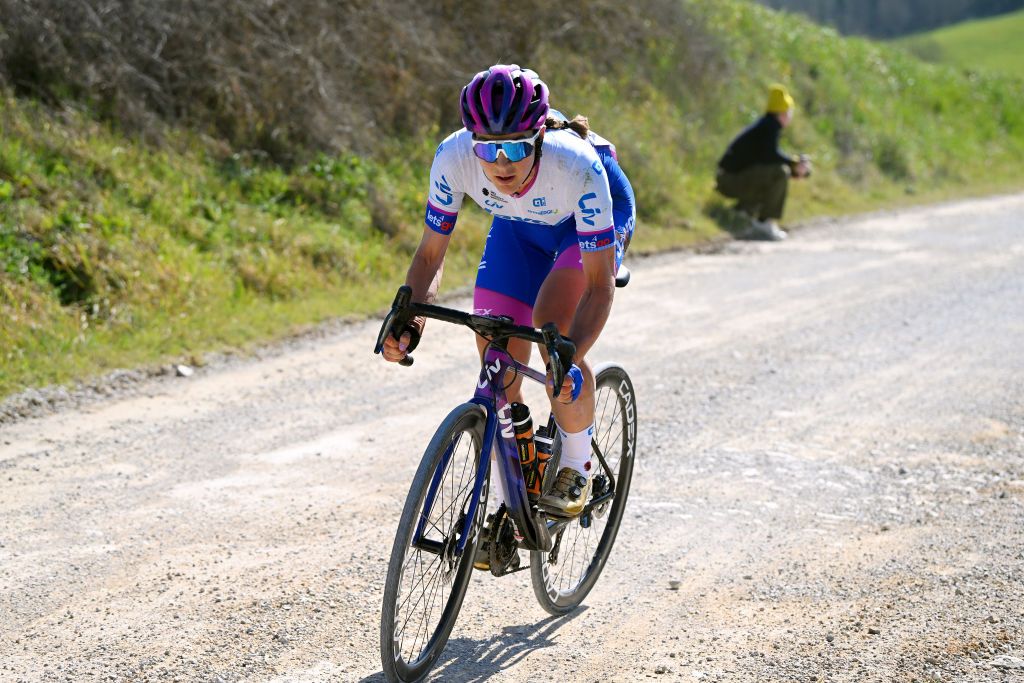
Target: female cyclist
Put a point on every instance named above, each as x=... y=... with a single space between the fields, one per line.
x=563 y=215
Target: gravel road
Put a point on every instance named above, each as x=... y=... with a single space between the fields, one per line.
x=829 y=486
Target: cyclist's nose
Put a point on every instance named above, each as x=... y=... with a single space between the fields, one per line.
x=502 y=160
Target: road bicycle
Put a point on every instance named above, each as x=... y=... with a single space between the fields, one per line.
x=442 y=530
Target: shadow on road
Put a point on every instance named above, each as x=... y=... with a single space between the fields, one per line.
x=727 y=219
x=472 y=661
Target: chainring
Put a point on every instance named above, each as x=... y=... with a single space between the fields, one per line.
x=503 y=552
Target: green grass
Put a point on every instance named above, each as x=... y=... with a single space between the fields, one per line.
x=117 y=253
x=995 y=43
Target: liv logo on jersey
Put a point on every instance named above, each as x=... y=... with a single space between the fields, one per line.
x=598 y=240
x=588 y=213
x=443 y=189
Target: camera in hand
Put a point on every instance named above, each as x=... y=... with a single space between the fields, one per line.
x=806 y=161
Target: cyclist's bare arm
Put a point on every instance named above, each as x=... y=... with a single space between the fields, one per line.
x=427 y=266
x=596 y=302
x=424 y=277
x=593 y=309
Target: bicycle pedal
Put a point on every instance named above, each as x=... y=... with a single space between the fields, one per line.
x=481 y=558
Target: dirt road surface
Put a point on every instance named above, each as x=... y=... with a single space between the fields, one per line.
x=829 y=487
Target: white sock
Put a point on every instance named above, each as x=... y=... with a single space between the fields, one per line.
x=576 y=450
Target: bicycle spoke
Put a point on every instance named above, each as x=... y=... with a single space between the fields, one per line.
x=562 y=585
x=411 y=610
x=424 y=578
x=437 y=585
x=416 y=584
x=425 y=583
x=442 y=508
x=424 y=624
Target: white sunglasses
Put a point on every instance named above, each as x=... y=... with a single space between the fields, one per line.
x=514 y=150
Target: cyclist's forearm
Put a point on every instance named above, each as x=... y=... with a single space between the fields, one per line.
x=424 y=277
x=427 y=266
x=591 y=315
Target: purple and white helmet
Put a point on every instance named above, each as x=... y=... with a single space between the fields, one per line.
x=504 y=99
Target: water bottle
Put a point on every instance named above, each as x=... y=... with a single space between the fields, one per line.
x=545 y=444
x=522 y=425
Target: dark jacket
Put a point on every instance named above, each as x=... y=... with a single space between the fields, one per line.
x=758 y=143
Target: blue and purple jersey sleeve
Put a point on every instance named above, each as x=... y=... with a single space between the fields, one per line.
x=623 y=199
x=444 y=199
x=595 y=226
x=439 y=220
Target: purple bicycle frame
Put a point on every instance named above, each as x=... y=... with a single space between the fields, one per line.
x=490 y=395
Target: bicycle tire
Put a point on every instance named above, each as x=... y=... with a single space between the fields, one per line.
x=401 y=660
x=559 y=591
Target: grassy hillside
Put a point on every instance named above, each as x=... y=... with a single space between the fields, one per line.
x=119 y=250
x=996 y=43
x=887 y=19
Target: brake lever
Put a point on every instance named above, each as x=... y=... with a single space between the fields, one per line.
x=561 y=351
x=396 y=319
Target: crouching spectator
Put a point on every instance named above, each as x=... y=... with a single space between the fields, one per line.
x=756 y=173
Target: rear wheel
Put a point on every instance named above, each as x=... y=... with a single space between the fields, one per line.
x=564 y=576
x=427 y=576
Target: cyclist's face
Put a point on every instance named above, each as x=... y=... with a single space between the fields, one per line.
x=508 y=176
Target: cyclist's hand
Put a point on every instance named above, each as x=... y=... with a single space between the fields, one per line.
x=572 y=385
x=396 y=349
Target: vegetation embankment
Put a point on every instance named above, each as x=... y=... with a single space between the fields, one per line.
x=886 y=19
x=993 y=44
x=206 y=190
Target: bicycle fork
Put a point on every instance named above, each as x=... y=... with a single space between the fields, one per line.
x=531 y=524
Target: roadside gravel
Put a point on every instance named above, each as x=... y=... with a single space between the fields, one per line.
x=829 y=486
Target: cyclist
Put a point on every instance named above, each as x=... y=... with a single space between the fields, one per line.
x=563 y=214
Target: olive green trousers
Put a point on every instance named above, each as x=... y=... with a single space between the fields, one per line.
x=759 y=190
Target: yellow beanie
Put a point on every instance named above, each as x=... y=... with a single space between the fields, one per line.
x=779 y=100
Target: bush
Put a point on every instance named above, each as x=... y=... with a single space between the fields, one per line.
x=285 y=77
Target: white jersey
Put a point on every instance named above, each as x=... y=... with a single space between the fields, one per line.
x=570 y=183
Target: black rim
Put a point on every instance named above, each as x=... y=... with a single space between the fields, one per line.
x=582 y=551
x=433 y=580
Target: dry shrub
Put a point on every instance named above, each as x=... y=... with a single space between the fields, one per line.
x=289 y=75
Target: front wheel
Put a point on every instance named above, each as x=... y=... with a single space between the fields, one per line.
x=427 y=575
x=564 y=576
